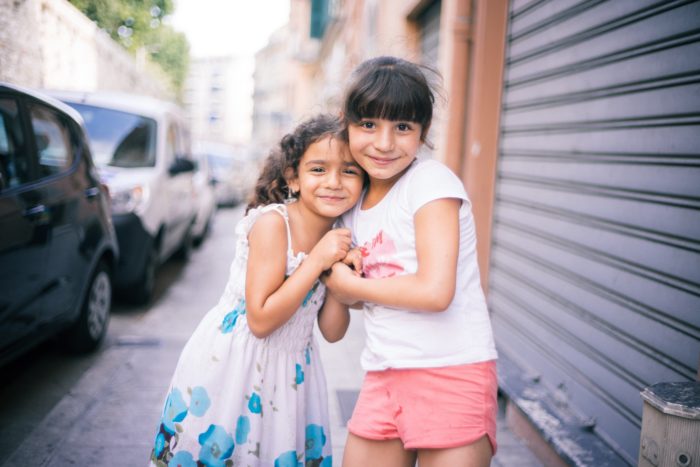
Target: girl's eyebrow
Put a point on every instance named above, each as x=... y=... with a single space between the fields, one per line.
x=315 y=162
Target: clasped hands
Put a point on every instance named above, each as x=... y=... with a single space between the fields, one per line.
x=339 y=276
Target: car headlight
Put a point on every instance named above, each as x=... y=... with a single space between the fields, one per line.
x=131 y=200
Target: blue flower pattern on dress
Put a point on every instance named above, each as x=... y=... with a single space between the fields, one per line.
x=315 y=440
x=288 y=459
x=229 y=321
x=217 y=446
x=175 y=410
x=300 y=375
x=199 y=402
x=254 y=403
x=182 y=459
x=309 y=295
x=242 y=429
x=159 y=444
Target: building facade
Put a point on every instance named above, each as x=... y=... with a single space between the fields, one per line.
x=216 y=98
x=575 y=126
x=273 y=90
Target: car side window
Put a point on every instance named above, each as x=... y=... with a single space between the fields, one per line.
x=53 y=141
x=14 y=159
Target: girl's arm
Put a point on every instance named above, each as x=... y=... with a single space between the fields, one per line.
x=270 y=299
x=432 y=287
x=333 y=319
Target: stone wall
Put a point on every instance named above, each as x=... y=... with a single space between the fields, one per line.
x=50 y=44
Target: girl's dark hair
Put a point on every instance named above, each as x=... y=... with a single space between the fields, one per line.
x=283 y=162
x=390 y=88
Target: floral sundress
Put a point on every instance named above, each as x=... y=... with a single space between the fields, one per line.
x=237 y=400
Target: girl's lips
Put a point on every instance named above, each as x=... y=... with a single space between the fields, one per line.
x=380 y=161
x=333 y=199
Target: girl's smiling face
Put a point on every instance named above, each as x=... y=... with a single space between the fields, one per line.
x=384 y=148
x=329 y=181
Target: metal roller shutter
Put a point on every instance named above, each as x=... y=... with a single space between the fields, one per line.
x=595 y=264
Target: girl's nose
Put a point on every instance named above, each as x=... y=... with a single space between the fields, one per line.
x=384 y=140
x=333 y=179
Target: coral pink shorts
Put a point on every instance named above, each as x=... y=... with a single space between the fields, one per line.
x=429 y=408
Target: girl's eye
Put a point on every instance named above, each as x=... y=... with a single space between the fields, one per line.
x=367 y=125
x=317 y=169
x=351 y=172
x=403 y=127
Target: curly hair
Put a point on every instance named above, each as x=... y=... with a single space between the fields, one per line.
x=283 y=162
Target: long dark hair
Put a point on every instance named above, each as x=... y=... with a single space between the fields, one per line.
x=390 y=88
x=283 y=162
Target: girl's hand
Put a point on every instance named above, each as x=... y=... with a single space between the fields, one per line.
x=332 y=247
x=354 y=260
x=337 y=281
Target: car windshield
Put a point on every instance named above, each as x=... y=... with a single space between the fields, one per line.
x=119 y=139
x=220 y=162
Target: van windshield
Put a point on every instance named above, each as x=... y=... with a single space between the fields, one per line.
x=119 y=139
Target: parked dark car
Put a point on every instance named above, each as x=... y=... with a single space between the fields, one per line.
x=57 y=243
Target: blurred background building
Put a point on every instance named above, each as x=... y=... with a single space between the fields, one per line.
x=214 y=95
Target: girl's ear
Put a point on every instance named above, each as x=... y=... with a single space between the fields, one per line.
x=294 y=185
x=292 y=180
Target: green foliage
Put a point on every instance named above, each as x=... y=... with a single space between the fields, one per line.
x=138 y=24
x=170 y=49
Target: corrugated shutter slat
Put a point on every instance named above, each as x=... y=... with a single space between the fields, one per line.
x=595 y=263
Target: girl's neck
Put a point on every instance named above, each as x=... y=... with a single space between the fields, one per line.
x=306 y=227
x=378 y=189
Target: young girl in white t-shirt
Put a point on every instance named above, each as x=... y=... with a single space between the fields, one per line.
x=430 y=389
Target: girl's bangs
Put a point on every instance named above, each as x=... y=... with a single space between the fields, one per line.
x=390 y=99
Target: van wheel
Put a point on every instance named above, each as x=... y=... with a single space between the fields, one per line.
x=142 y=292
x=90 y=328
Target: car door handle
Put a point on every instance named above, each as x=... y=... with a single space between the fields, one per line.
x=92 y=192
x=38 y=214
x=35 y=211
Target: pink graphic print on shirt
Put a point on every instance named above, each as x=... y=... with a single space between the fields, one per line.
x=377 y=261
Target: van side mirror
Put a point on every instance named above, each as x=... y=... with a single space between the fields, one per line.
x=181 y=165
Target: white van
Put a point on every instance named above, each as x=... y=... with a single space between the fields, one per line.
x=142 y=149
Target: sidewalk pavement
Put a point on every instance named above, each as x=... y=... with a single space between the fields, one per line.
x=344 y=375
x=108 y=418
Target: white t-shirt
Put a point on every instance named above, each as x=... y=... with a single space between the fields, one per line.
x=398 y=338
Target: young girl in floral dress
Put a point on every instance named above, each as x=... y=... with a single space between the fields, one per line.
x=249 y=388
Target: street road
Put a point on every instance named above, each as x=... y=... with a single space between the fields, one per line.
x=102 y=409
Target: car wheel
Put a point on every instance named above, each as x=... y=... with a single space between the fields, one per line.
x=90 y=328
x=142 y=292
x=185 y=251
x=207 y=227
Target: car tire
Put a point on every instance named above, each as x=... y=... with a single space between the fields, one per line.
x=142 y=292
x=91 y=326
x=185 y=251
x=207 y=227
